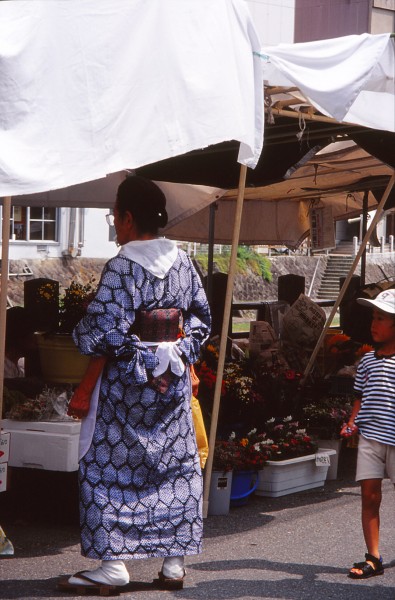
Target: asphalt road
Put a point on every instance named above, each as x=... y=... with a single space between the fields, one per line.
x=297 y=547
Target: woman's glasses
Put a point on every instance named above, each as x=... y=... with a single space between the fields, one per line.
x=110 y=220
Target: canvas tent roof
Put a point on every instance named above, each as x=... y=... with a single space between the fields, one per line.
x=279 y=213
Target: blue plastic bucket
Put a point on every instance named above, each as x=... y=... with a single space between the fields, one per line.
x=244 y=483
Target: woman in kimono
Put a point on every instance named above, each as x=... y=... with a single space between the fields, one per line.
x=140 y=478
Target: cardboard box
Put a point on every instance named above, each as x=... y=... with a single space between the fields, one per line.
x=4 y=446
x=262 y=336
x=48 y=445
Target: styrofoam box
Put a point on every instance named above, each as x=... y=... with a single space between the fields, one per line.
x=48 y=445
x=4 y=446
x=3 y=477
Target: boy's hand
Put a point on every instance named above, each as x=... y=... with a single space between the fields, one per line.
x=348 y=430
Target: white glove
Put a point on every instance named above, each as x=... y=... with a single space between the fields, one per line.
x=168 y=353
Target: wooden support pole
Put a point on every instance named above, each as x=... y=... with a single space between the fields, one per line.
x=5 y=236
x=373 y=224
x=224 y=336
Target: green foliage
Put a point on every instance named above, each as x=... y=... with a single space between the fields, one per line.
x=247 y=260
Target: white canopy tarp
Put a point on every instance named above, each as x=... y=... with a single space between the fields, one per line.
x=94 y=87
x=350 y=78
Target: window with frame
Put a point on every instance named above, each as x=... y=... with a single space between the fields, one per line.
x=33 y=224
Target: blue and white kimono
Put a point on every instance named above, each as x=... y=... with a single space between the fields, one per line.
x=140 y=479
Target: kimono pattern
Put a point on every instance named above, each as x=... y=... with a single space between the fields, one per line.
x=140 y=481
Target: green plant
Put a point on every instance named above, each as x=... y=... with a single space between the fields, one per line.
x=258 y=263
x=246 y=259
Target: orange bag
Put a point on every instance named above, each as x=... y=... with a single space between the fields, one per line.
x=200 y=430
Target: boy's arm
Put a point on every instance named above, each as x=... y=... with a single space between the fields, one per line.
x=350 y=425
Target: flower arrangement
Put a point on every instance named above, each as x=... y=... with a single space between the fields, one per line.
x=341 y=350
x=73 y=304
x=240 y=394
x=339 y=342
x=326 y=417
x=239 y=454
x=285 y=438
x=239 y=384
x=66 y=309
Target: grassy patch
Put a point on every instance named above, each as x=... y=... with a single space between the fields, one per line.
x=247 y=260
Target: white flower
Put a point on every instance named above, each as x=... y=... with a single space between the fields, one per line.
x=252 y=432
x=287 y=419
x=301 y=431
x=232 y=436
x=267 y=442
x=271 y=420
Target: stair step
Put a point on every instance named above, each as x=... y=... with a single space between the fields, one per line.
x=338 y=266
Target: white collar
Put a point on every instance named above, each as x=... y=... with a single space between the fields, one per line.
x=157 y=255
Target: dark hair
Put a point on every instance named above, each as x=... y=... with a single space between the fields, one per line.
x=145 y=201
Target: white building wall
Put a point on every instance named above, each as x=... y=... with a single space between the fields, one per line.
x=383 y=16
x=96 y=243
x=20 y=249
x=274 y=20
x=90 y=238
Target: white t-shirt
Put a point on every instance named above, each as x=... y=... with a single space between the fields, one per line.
x=375 y=383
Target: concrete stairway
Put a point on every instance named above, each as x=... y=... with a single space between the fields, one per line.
x=337 y=266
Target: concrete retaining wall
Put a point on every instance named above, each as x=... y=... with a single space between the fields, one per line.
x=248 y=286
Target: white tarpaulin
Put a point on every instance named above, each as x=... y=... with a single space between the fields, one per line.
x=350 y=78
x=94 y=87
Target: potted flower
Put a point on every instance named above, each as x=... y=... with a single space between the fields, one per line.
x=60 y=360
x=295 y=461
x=239 y=453
x=237 y=459
x=247 y=457
x=286 y=438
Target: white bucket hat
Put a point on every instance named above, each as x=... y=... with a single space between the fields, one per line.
x=385 y=301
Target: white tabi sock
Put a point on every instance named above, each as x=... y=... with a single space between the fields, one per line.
x=112 y=572
x=173 y=567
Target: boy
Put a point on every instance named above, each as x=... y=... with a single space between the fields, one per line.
x=373 y=415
